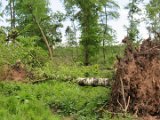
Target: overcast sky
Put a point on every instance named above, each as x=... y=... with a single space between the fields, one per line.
x=118 y=24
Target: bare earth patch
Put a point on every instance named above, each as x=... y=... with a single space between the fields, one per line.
x=16 y=72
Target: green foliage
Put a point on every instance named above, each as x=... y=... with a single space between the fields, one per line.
x=153 y=10
x=65 y=68
x=24 y=50
x=34 y=101
x=35 y=56
x=108 y=13
x=133 y=31
x=52 y=27
x=109 y=116
x=88 y=19
x=23 y=9
x=134 y=10
x=52 y=100
x=2 y=35
x=36 y=60
x=71 y=37
x=71 y=73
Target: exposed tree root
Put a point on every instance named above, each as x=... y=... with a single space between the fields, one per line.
x=136 y=88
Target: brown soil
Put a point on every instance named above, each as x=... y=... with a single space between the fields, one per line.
x=16 y=72
x=136 y=88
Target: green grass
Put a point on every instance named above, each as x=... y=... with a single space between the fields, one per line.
x=69 y=55
x=69 y=73
x=65 y=67
x=50 y=101
x=56 y=99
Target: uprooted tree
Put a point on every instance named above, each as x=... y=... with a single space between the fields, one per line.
x=136 y=88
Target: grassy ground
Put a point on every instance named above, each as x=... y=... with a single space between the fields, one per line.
x=62 y=98
x=52 y=100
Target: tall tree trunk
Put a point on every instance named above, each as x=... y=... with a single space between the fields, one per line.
x=86 y=55
x=75 y=32
x=105 y=32
x=86 y=44
x=12 y=13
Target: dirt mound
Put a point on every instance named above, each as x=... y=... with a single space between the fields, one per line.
x=136 y=88
x=16 y=72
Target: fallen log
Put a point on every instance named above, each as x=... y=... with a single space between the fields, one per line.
x=93 y=82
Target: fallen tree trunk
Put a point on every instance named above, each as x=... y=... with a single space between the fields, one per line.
x=93 y=81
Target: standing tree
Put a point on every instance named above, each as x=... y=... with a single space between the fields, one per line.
x=109 y=12
x=87 y=16
x=52 y=26
x=132 y=30
x=74 y=26
x=71 y=38
x=0 y=9
x=153 y=12
x=11 y=11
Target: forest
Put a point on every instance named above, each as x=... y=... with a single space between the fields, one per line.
x=82 y=71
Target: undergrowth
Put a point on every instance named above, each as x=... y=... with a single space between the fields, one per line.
x=53 y=100
x=50 y=101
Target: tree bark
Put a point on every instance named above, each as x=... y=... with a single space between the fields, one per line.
x=93 y=81
x=12 y=13
x=105 y=31
x=86 y=55
x=86 y=40
x=44 y=39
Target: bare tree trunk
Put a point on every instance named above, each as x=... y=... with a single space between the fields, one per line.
x=44 y=38
x=12 y=13
x=104 y=56
x=105 y=31
x=75 y=32
x=86 y=55
x=86 y=48
x=86 y=44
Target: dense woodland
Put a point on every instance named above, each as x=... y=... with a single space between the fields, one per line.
x=38 y=74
